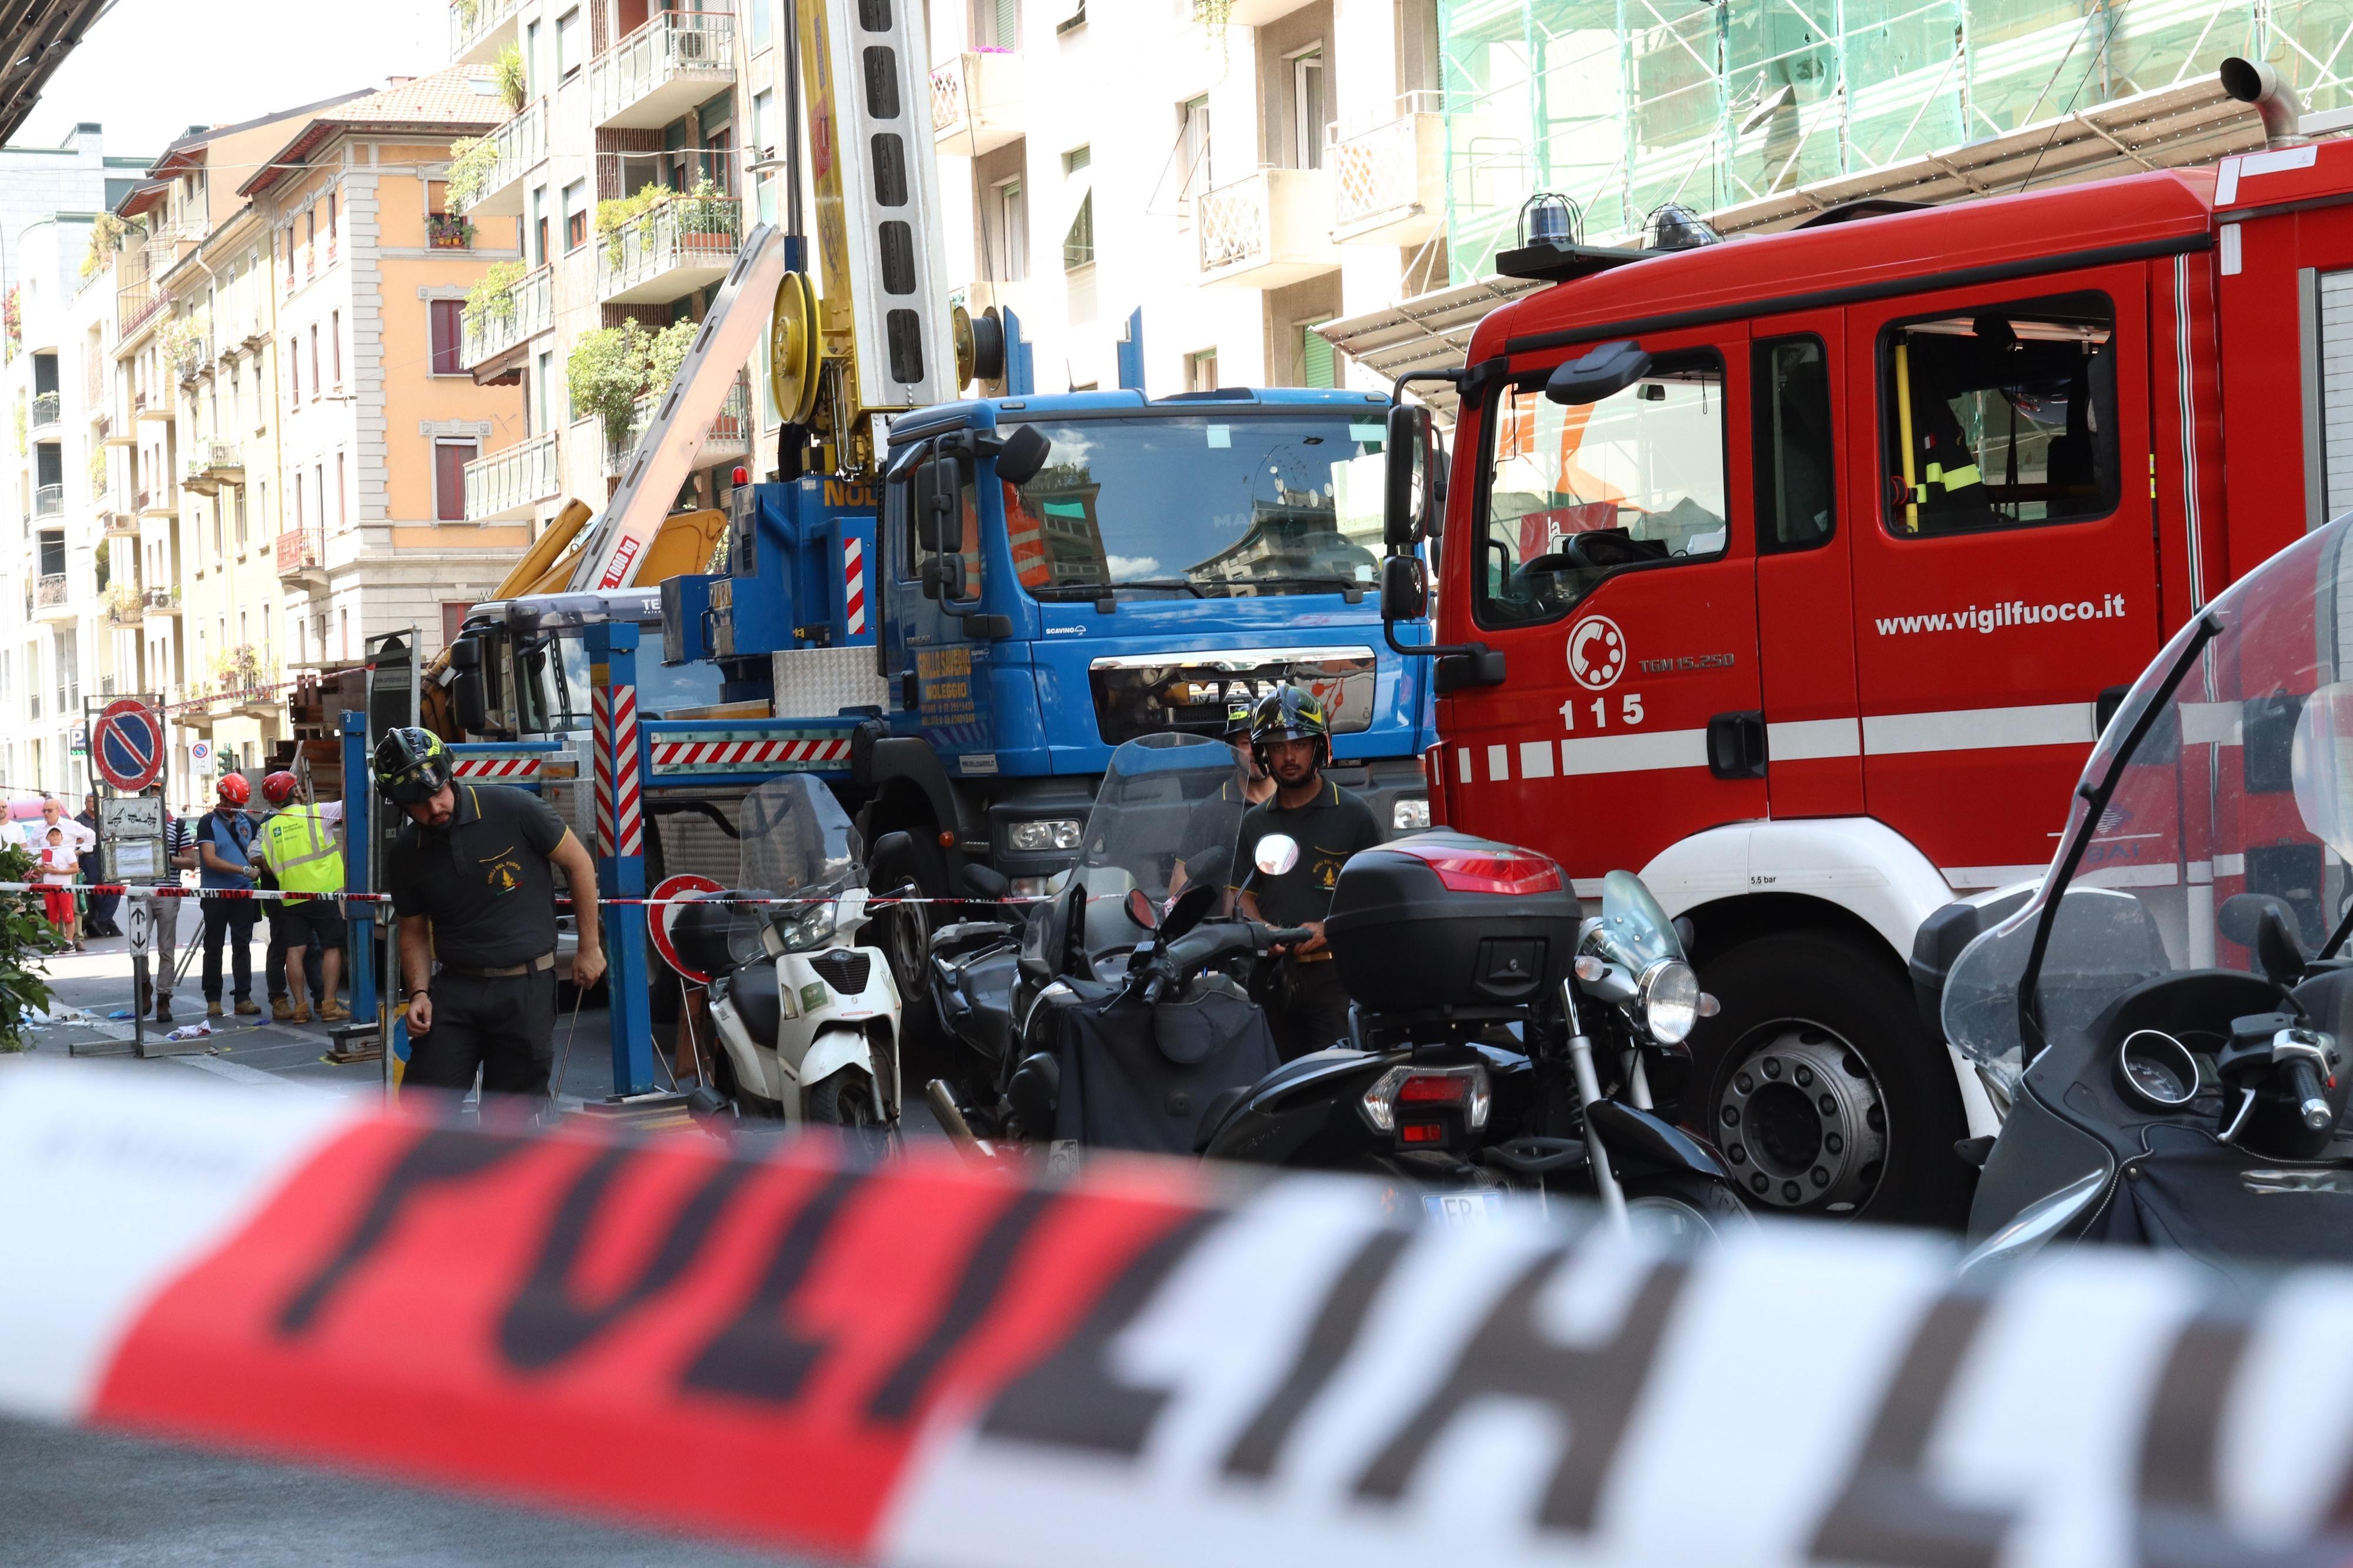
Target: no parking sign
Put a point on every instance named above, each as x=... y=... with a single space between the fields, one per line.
x=127 y=745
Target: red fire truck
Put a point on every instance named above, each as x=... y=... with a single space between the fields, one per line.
x=1809 y=605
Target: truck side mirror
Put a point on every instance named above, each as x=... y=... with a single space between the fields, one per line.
x=1406 y=488
x=944 y=578
x=939 y=510
x=1404 y=588
x=466 y=653
x=1604 y=371
x=1023 y=454
x=471 y=701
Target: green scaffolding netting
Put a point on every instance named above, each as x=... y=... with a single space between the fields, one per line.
x=1623 y=104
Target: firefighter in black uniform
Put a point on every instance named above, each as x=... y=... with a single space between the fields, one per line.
x=1292 y=742
x=470 y=882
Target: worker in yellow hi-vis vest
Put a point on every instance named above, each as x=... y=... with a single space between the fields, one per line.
x=299 y=845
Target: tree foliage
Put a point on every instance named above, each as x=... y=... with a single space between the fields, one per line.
x=25 y=940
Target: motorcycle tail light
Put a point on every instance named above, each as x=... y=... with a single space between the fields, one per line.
x=1512 y=872
x=1423 y=1090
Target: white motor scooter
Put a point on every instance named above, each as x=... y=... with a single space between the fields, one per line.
x=808 y=1021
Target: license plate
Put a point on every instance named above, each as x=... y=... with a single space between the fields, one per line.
x=1463 y=1208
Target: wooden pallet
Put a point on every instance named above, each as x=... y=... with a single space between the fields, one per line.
x=354 y=1042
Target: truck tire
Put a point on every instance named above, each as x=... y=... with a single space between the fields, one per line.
x=1822 y=1088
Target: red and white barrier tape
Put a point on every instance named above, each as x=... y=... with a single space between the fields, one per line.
x=922 y=1362
x=172 y=892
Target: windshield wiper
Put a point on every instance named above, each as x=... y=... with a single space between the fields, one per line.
x=1105 y=590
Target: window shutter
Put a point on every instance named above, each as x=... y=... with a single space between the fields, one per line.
x=1314 y=358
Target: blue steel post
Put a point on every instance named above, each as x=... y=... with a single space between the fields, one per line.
x=620 y=849
x=356 y=855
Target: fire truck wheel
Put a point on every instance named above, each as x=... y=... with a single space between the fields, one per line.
x=1823 y=1089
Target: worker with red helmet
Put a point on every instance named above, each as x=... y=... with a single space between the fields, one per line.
x=280 y=790
x=301 y=853
x=224 y=838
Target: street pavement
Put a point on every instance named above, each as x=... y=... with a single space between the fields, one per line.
x=89 y=1500
x=79 y=1497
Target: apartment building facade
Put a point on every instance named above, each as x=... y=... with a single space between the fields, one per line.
x=56 y=633
x=368 y=268
x=1178 y=190
x=55 y=649
x=633 y=169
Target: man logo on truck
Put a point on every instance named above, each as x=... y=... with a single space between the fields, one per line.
x=1596 y=653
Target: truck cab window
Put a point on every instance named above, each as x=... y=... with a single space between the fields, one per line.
x=1796 y=506
x=2000 y=417
x=1576 y=494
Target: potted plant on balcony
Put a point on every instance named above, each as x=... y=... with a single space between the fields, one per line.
x=614 y=217
x=491 y=297
x=449 y=231
x=106 y=233
x=508 y=71
x=706 y=220
x=606 y=372
x=471 y=158
x=123 y=603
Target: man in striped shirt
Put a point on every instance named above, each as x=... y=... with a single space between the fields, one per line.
x=179 y=855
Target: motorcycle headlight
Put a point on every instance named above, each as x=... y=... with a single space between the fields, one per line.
x=1410 y=814
x=1046 y=833
x=1666 y=1001
x=811 y=926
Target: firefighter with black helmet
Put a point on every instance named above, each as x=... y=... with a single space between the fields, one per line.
x=1290 y=737
x=472 y=883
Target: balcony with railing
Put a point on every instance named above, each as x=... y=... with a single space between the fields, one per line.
x=211 y=464
x=1388 y=181
x=519 y=313
x=977 y=102
x=126 y=607
x=49 y=407
x=682 y=245
x=505 y=486
x=479 y=29
x=1271 y=228
x=119 y=524
x=51 y=599
x=162 y=602
x=677 y=60
x=134 y=307
x=730 y=434
x=301 y=555
x=517 y=148
x=49 y=501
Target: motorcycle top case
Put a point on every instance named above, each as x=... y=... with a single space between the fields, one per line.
x=1442 y=920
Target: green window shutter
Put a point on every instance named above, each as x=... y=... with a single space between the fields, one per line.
x=1315 y=367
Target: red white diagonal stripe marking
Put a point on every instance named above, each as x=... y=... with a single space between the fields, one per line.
x=853 y=582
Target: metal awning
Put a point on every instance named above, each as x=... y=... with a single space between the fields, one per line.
x=2173 y=127
x=35 y=40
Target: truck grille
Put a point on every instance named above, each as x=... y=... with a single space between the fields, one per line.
x=843 y=969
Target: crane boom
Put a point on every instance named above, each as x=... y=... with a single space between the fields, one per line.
x=666 y=454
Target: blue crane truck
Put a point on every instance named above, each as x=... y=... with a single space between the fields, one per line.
x=1030 y=582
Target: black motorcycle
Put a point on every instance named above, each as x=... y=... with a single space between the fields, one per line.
x=1109 y=1015
x=1503 y=1044
x=2165 y=1044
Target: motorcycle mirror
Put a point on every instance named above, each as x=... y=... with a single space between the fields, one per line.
x=1141 y=910
x=2264 y=925
x=1276 y=853
x=1193 y=906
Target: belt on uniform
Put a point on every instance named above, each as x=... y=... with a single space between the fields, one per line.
x=543 y=962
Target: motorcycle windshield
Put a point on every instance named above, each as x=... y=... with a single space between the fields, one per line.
x=797 y=840
x=2223 y=781
x=1164 y=805
x=1633 y=930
